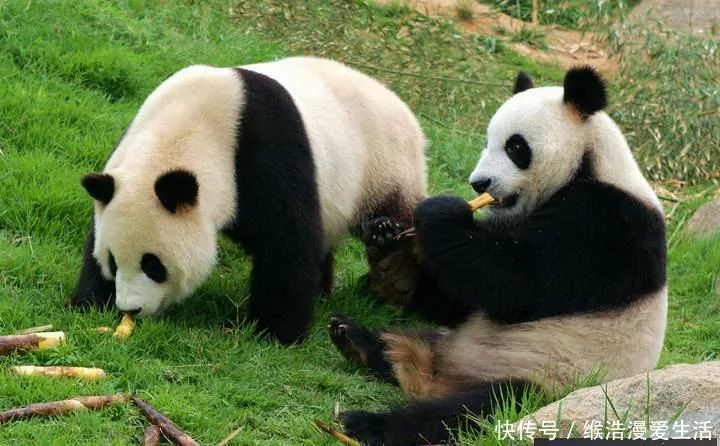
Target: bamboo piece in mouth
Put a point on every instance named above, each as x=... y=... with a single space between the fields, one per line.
x=481 y=201
x=35 y=341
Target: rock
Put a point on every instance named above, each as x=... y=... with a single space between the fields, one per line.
x=705 y=221
x=690 y=390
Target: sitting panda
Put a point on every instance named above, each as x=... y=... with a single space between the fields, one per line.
x=565 y=277
x=285 y=157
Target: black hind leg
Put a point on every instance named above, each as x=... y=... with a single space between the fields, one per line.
x=92 y=288
x=429 y=421
x=360 y=346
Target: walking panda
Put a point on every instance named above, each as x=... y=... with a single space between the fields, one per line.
x=565 y=277
x=285 y=157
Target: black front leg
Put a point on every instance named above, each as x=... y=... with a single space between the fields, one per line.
x=92 y=288
x=284 y=289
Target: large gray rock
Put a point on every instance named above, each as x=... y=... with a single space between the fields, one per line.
x=705 y=221
x=690 y=390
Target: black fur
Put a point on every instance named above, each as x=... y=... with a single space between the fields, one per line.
x=522 y=82
x=92 y=288
x=518 y=150
x=361 y=346
x=431 y=421
x=590 y=247
x=278 y=210
x=585 y=90
x=100 y=186
x=177 y=189
x=153 y=268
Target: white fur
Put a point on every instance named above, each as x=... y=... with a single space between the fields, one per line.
x=365 y=143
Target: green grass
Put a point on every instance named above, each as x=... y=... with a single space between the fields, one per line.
x=73 y=76
x=572 y=14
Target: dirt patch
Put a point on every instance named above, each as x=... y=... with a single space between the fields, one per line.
x=694 y=17
x=564 y=48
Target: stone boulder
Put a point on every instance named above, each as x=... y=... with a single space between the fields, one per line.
x=683 y=402
x=705 y=221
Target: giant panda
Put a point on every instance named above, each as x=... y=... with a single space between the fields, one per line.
x=285 y=157
x=564 y=277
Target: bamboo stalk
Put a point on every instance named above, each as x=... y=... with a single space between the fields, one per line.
x=126 y=327
x=90 y=373
x=35 y=341
x=535 y=11
x=33 y=330
x=230 y=436
x=170 y=429
x=339 y=436
x=152 y=436
x=52 y=408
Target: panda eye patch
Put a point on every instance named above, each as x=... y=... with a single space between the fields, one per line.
x=153 y=268
x=518 y=150
x=112 y=264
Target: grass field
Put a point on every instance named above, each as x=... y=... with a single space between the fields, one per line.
x=73 y=76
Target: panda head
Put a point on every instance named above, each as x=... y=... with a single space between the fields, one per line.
x=536 y=141
x=150 y=237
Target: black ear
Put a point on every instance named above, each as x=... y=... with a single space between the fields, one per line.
x=177 y=188
x=585 y=90
x=522 y=82
x=100 y=186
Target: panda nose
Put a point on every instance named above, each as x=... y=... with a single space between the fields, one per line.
x=481 y=185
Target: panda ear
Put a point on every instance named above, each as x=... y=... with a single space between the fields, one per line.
x=585 y=90
x=100 y=186
x=177 y=189
x=522 y=82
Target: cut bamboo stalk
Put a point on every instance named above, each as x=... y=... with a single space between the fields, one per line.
x=152 y=436
x=35 y=341
x=170 y=429
x=126 y=327
x=339 y=436
x=33 y=330
x=230 y=436
x=61 y=407
x=90 y=373
x=481 y=201
x=101 y=330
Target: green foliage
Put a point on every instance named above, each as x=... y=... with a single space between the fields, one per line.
x=573 y=14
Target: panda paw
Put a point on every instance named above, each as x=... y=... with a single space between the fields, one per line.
x=351 y=339
x=366 y=427
x=381 y=232
x=442 y=209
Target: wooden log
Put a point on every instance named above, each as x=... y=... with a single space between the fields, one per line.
x=170 y=429
x=90 y=373
x=152 y=436
x=35 y=341
x=61 y=407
